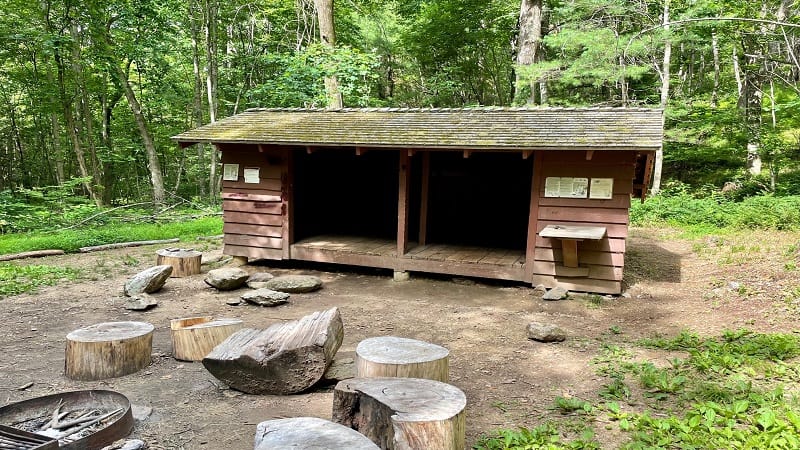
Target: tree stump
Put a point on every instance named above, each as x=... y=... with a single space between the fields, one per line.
x=108 y=350
x=309 y=433
x=184 y=262
x=194 y=337
x=389 y=356
x=286 y=358
x=402 y=413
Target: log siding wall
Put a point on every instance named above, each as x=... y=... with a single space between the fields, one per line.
x=604 y=259
x=254 y=213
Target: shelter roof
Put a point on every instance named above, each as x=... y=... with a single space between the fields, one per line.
x=487 y=128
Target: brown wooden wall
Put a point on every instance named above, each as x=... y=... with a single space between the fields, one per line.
x=603 y=258
x=256 y=223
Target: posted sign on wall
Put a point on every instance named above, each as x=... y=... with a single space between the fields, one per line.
x=571 y=187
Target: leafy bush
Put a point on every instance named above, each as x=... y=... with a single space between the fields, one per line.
x=16 y=279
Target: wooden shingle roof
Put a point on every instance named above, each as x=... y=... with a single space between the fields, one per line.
x=443 y=128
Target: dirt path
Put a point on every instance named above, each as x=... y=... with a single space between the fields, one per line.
x=509 y=380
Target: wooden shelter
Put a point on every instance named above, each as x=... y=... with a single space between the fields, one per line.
x=534 y=195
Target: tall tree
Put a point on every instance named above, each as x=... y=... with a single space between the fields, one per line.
x=529 y=41
x=327 y=36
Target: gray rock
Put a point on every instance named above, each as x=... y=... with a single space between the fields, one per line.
x=539 y=290
x=259 y=280
x=557 y=293
x=342 y=368
x=236 y=301
x=141 y=302
x=265 y=297
x=148 y=281
x=294 y=284
x=141 y=413
x=226 y=278
x=544 y=332
x=126 y=444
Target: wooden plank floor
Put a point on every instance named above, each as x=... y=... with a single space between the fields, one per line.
x=434 y=252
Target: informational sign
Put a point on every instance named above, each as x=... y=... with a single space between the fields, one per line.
x=251 y=175
x=230 y=172
x=566 y=187
x=601 y=188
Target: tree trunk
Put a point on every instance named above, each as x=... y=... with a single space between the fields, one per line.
x=529 y=42
x=149 y=147
x=55 y=132
x=310 y=433
x=286 y=358
x=665 y=84
x=195 y=337
x=389 y=356
x=327 y=36
x=212 y=69
x=108 y=350
x=403 y=413
x=715 y=53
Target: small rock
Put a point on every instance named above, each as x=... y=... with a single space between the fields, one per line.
x=734 y=285
x=294 y=284
x=626 y=294
x=265 y=297
x=125 y=444
x=539 y=290
x=544 y=332
x=140 y=412
x=141 y=302
x=148 y=281
x=236 y=301
x=226 y=278
x=259 y=280
x=557 y=293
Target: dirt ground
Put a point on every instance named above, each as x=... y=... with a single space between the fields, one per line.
x=705 y=285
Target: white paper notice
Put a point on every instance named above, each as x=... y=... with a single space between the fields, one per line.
x=251 y=175
x=602 y=188
x=551 y=186
x=230 y=172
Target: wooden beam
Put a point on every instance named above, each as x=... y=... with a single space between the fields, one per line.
x=310 y=149
x=423 y=206
x=589 y=154
x=526 y=154
x=360 y=151
x=533 y=213
x=261 y=148
x=403 y=204
x=411 y=152
x=467 y=153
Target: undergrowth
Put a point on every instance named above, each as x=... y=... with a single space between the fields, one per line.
x=736 y=390
x=18 y=279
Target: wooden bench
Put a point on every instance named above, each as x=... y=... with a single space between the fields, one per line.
x=570 y=235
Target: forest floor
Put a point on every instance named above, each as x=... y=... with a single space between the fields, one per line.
x=706 y=285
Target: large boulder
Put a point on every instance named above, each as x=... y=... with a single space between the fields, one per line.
x=227 y=278
x=294 y=284
x=148 y=281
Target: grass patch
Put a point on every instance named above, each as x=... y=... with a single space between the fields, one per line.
x=16 y=279
x=72 y=240
x=729 y=391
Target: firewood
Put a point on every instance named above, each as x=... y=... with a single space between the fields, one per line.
x=390 y=356
x=33 y=254
x=402 y=413
x=108 y=350
x=285 y=358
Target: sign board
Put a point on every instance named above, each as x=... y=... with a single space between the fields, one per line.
x=566 y=187
x=602 y=188
x=230 y=172
x=251 y=175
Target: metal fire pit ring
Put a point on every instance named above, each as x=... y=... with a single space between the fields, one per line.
x=20 y=412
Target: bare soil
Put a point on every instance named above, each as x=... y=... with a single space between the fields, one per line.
x=705 y=285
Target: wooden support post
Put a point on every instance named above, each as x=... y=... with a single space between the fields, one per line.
x=589 y=154
x=403 y=204
x=360 y=151
x=423 y=204
x=467 y=153
x=527 y=154
x=261 y=148
x=287 y=206
x=569 y=250
x=533 y=214
x=310 y=149
x=239 y=261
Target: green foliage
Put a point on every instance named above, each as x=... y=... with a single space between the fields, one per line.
x=18 y=279
x=71 y=240
x=543 y=437
x=567 y=405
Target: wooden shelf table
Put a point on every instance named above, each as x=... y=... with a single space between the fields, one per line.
x=570 y=235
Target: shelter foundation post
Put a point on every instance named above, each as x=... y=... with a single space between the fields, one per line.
x=401 y=275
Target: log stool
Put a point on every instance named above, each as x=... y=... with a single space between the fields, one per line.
x=389 y=356
x=184 y=261
x=194 y=337
x=403 y=413
x=309 y=433
x=108 y=350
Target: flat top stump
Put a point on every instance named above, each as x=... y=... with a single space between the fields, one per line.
x=109 y=331
x=397 y=350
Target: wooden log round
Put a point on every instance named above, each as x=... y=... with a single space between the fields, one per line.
x=184 y=262
x=309 y=433
x=194 y=337
x=108 y=350
x=390 y=356
x=403 y=413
